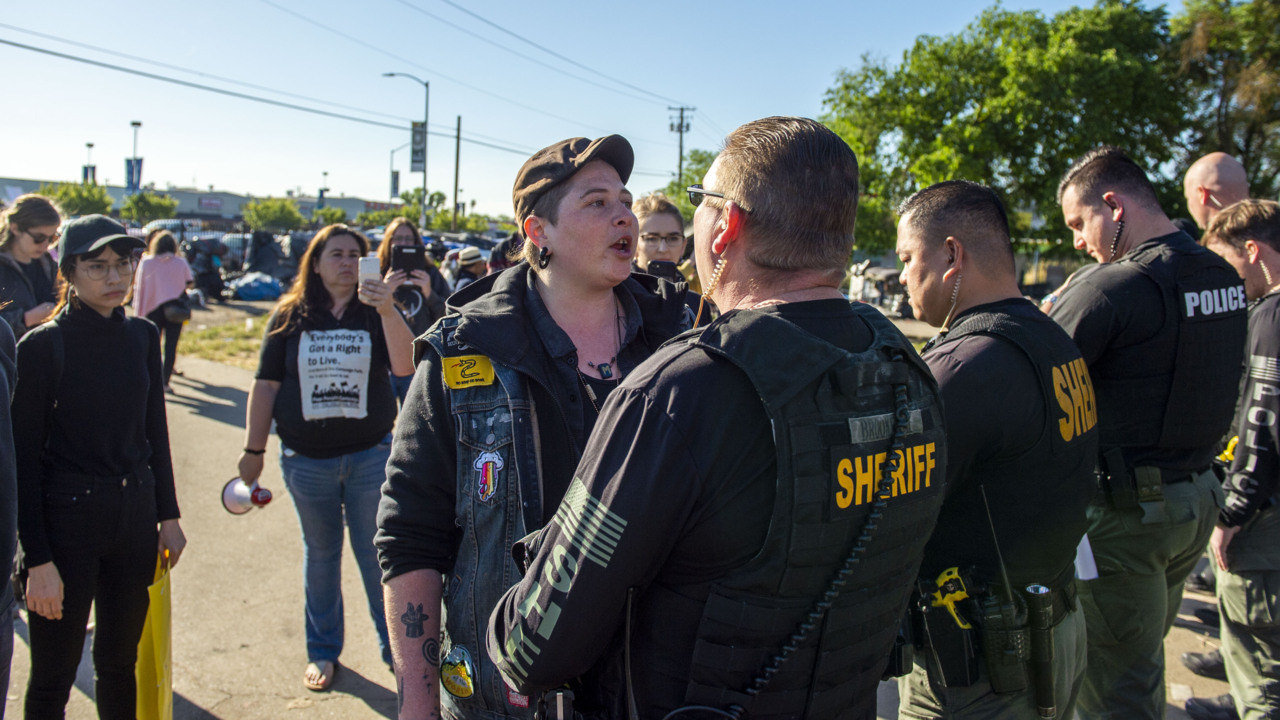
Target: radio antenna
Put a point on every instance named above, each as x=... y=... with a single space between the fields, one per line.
x=1004 y=573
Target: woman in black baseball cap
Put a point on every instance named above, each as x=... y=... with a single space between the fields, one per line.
x=96 y=497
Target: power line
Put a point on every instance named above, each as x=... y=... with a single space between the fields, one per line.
x=506 y=48
x=555 y=54
x=397 y=58
x=253 y=98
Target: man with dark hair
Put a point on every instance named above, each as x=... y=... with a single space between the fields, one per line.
x=1245 y=545
x=1019 y=476
x=1160 y=321
x=746 y=524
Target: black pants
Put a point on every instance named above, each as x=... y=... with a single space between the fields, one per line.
x=171 y=333
x=102 y=532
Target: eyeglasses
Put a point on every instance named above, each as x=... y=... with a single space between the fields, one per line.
x=98 y=270
x=697 y=191
x=655 y=239
x=43 y=239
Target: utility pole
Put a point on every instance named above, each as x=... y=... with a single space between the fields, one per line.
x=457 y=157
x=681 y=126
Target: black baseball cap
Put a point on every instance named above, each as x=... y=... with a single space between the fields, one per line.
x=554 y=164
x=89 y=233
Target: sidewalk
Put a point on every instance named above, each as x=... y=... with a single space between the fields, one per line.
x=237 y=593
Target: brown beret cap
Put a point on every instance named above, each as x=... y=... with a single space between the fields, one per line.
x=553 y=165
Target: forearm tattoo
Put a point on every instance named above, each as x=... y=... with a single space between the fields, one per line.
x=412 y=619
x=431 y=652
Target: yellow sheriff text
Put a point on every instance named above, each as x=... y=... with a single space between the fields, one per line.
x=857 y=478
x=1074 y=390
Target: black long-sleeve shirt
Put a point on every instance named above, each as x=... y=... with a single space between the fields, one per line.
x=8 y=484
x=1255 y=472
x=101 y=414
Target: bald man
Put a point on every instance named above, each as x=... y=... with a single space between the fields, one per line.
x=1212 y=183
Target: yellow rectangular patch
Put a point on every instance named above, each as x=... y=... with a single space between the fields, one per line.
x=468 y=371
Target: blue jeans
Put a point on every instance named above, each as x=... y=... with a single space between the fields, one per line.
x=400 y=384
x=323 y=491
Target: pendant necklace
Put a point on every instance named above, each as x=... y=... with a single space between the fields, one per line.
x=606 y=368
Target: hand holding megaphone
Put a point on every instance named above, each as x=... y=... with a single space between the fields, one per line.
x=239 y=498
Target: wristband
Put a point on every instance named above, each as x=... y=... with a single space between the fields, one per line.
x=255 y=452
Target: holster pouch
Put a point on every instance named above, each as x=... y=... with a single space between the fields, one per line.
x=902 y=656
x=1117 y=482
x=1006 y=641
x=953 y=651
x=555 y=705
x=1150 y=488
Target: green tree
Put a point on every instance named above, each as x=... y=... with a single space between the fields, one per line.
x=276 y=214
x=696 y=164
x=79 y=199
x=146 y=206
x=1230 y=55
x=329 y=215
x=1009 y=102
x=374 y=218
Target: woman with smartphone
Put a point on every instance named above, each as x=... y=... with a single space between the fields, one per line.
x=420 y=289
x=324 y=378
x=96 y=498
x=28 y=276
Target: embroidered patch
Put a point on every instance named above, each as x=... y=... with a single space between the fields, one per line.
x=456 y=673
x=488 y=465
x=515 y=699
x=468 y=371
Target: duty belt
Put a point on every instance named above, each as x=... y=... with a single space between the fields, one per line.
x=1141 y=487
x=1064 y=599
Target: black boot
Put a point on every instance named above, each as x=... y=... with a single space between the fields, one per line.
x=1208 y=665
x=1209 y=616
x=1219 y=708
x=1204 y=582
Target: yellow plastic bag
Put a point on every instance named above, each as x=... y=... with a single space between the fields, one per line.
x=155 y=658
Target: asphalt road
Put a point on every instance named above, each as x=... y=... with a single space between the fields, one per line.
x=237 y=593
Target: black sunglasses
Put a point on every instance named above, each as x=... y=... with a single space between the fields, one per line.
x=697 y=191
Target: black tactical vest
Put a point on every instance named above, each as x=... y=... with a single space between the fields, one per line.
x=1050 y=484
x=833 y=416
x=1206 y=323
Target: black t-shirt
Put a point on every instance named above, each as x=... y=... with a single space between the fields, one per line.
x=41 y=283
x=995 y=410
x=1255 y=471
x=335 y=393
x=681 y=471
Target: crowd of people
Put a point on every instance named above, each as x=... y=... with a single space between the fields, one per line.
x=585 y=490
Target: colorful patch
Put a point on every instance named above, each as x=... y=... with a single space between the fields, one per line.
x=515 y=699
x=488 y=465
x=468 y=371
x=456 y=673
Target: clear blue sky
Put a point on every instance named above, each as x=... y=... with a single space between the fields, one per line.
x=733 y=61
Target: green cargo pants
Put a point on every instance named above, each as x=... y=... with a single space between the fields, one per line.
x=923 y=699
x=1132 y=604
x=1249 y=599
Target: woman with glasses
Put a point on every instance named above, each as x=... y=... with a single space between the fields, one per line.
x=96 y=498
x=662 y=242
x=323 y=376
x=28 y=278
x=419 y=294
x=162 y=278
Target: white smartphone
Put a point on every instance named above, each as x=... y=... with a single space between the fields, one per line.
x=370 y=268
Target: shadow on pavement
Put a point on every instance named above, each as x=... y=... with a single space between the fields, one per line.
x=184 y=709
x=227 y=406
x=378 y=698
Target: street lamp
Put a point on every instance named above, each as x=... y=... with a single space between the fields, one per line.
x=394 y=185
x=426 y=117
x=136 y=174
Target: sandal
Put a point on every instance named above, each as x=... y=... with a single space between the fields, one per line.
x=324 y=670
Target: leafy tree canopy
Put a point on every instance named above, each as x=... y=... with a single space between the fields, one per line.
x=143 y=207
x=275 y=214
x=329 y=215
x=78 y=199
x=696 y=164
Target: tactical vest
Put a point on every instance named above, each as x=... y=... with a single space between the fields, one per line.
x=497 y=502
x=1204 y=333
x=1060 y=464
x=839 y=420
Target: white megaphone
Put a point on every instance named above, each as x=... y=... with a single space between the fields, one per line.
x=239 y=498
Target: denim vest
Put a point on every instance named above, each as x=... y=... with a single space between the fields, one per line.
x=498 y=501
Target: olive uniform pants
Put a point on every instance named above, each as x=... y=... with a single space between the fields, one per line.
x=1132 y=604
x=922 y=699
x=1249 y=600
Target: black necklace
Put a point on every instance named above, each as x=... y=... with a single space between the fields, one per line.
x=606 y=368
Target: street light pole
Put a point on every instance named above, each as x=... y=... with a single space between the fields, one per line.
x=426 y=118
x=393 y=163
x=137 y=171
